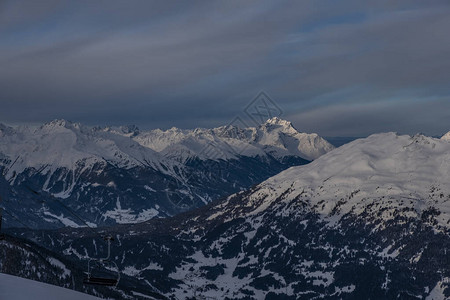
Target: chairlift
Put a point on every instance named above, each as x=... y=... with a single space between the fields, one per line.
x=102 y=271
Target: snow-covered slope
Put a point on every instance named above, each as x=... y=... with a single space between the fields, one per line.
x=62 y=144
x=388 y=170
x=446 y=137
x=124 y=175
x=276 y=137
x=280 y=138
x=16 y=288
x=369 y=220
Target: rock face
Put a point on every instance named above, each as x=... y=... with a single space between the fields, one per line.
x=369 y=220
x=116 y=175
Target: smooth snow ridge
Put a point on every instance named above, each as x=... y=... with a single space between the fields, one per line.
x=393 y=171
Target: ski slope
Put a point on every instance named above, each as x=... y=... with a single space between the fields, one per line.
x=16 y=288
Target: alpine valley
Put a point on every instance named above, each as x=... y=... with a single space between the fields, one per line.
x=368 y=220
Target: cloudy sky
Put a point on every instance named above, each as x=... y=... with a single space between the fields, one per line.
x=339 y=68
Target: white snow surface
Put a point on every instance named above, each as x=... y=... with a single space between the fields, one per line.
x=16 y=288
x=393 y=171
x=126 y=216
x=446 y=137
x=277 y=137
x=380 y=175
x=438 y=291
x=63 y=144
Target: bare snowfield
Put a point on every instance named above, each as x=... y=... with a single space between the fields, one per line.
x=16 y=288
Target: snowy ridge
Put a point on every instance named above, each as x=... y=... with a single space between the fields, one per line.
x=282 y=139
x=63 y=144
x=393 y=171
x=446 y=137
x=369 y=220
x=276 y=137
x=153 y=173
x=385 y=182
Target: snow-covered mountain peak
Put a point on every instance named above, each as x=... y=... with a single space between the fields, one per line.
x=64 y=144
x=278 y=121
x=70 y=158
x=383 y=153
x=59 y=127
x=172 y=129
x=386 y=168
x=278 y=124
x=60 y=123
x=61 y=144
x=276 y=137
x=126 y=130
x=446 y=137
x=233 y=132
x=57 y=122
x=420 y=138
x=281 y=139
x=130 y=129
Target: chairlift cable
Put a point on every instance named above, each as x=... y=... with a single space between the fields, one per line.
x=92 y=280
x=99 y=280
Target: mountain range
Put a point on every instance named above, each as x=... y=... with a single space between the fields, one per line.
x=60 y=173
x=368 y=220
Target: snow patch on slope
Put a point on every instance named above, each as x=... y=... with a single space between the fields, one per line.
x=438 y=291
x=125 y=216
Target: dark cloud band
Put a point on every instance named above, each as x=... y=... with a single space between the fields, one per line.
x=191 y=64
